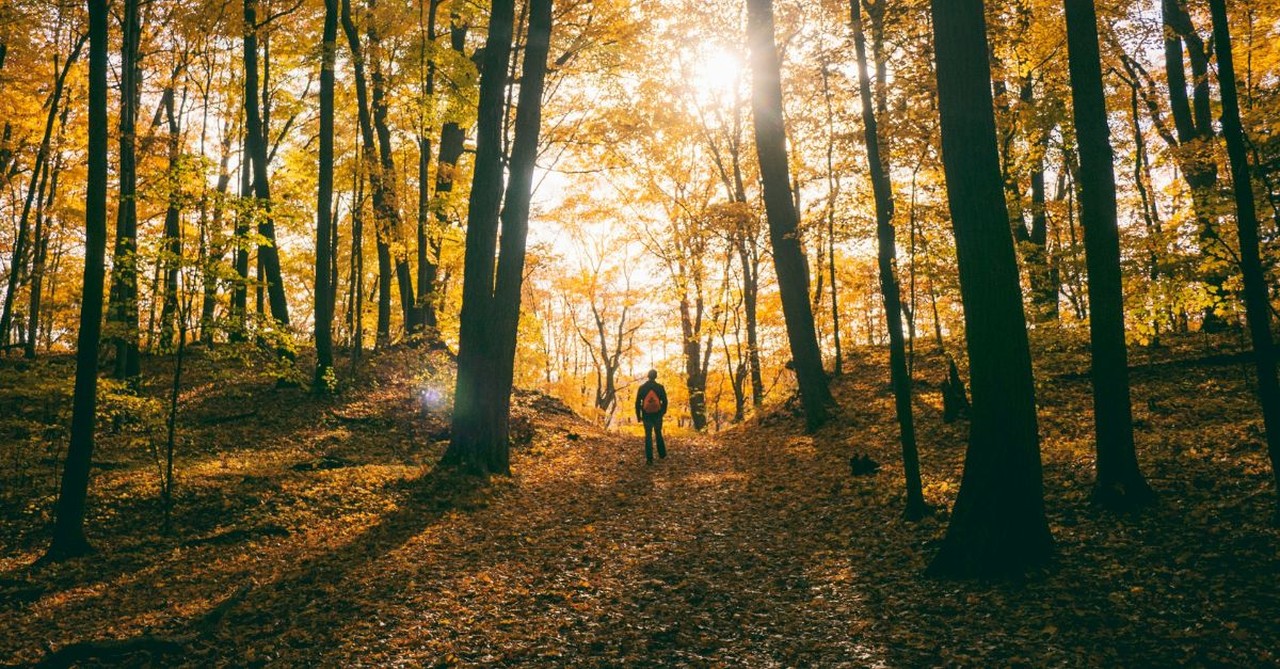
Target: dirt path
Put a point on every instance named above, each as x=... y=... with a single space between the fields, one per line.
x=587 y=557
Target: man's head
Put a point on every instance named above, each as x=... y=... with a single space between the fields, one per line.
x=653 y=375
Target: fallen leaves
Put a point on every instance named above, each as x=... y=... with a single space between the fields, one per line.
x=754 y=547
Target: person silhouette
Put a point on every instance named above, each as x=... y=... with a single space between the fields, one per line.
x=651 y=406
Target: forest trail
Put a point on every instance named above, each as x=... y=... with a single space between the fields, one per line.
x=590 y=556
x=321 y=534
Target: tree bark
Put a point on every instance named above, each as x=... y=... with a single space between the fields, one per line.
x=1194 y=125
x=172 y=260
x=1257 y=303
x=491 y=311
x=324 y=288
x=388 y=204
x=1120 y=483
x=998 y=525
x=122 y=318
x=68 y=531
x=256 y=144
x=788 y=256
x=374 y=173
x=882 y=191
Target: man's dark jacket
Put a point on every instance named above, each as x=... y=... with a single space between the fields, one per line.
x=644 y=390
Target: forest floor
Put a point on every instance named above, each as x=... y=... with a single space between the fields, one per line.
x=317 y=532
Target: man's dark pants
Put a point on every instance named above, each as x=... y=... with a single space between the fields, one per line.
x=652 y=427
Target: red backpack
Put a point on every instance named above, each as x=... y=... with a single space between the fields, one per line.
x=652 y=403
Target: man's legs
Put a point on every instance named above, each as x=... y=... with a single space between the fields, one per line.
x=662 y=445
x=648 y=440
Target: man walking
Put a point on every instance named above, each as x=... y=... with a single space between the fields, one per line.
x=651 y=406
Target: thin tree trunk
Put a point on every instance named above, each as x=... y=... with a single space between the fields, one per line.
x=1120 y=482
x=1194 y=126
x=41 y=251
x=68 y=530
x=256 y=143
x=324 y=286
x=1044 y=290
x=172 y=257
x=374 y=173
x=1257 y=304
x=833 y=188
x=998 y=524
x=882 y=191
x=357 y=269
x=389 y=205
x=788 y=255
x=240 y=291
x=122 y=317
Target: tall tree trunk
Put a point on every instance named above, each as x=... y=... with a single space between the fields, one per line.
x=1194 y=125
x=122 y=318
x=1120 y=482
x=68 y=530
x=491 y=311
x=1044 y=288
x=41 y=245
x=324 y=288
x=389 y=205
x=240 y=291
x=374 y=173
x=882 y=191
x=1257 y=303
x=256 y=143
x=998 y=525
x=788 y=256
x=695 y=380
x=356 y=322
x=833 y=192
x=217 y=245
x=172 y=260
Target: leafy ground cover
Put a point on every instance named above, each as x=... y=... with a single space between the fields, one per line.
x=316 y=532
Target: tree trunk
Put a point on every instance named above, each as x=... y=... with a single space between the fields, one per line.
x=1257 y=303
x=324 y=288
x=68 y=530
x=256 y=144
x=388 y=204
x=1044 y=289
x=491 y=312
x=1120 y=482
x=695 y=380
x=1194 y=125
x=41 y=248
x=172 y=228
x=217 y=250
x=356 y=322
x=374 y=173
x=882 y=190
x=833 y=188
x=240 y=292
x=122 y=318
x=788 y=255
x=998 y=525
